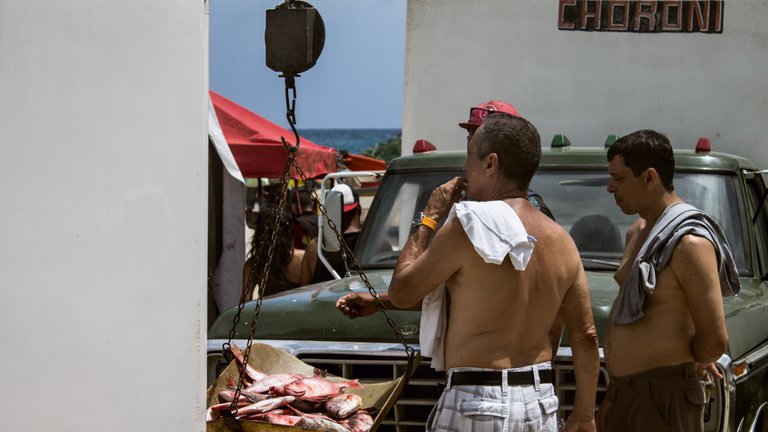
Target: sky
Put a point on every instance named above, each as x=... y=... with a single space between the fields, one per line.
x=356 y=83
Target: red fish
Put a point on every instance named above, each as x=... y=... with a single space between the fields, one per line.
x=343 y=405
x=252 y=373
x=214 y=411
x=320 y=389
x=228 y=394
x=276 y=416
x=314 y=421
x=264 y=406
x=361 y=421
x=294 y=388
x=307 y=406
x=274 y=380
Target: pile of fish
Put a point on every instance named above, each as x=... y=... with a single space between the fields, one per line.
x=310 y=402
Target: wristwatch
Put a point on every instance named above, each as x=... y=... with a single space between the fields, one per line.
x=422 y=219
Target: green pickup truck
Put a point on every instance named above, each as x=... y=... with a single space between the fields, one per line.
x=573 y=182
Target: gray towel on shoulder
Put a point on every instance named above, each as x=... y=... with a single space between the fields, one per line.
x=677 y=220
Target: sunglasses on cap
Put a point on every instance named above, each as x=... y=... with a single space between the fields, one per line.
x=477 y=115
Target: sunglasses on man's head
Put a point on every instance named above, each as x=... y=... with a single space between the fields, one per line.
x=477 y=115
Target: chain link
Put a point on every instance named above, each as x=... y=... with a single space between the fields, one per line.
x=263 y=276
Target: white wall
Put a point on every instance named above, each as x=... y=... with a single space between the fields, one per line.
x=103 y=178
x=586 y=84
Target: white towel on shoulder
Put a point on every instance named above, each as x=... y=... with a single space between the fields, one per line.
x=495 y=231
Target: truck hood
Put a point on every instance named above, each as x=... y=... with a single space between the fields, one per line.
x=309 y=314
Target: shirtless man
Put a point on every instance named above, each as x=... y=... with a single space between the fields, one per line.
x=656 y=352
x=499 y=317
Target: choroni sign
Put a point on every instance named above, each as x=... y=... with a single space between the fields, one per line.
x=675 y=16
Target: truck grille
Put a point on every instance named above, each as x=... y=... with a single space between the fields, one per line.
x=565 y=387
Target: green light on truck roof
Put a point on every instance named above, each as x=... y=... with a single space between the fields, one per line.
x=560 y=141
x=610 y=140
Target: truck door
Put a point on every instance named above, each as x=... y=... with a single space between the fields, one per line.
x=759 y=204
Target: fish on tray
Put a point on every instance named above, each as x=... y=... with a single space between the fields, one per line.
x=321 y=389
x=228 y=394
x=294 y=388
x=264 y=406
x=308 y=406
x=276 y=416
x=316 y=421
x=252 y=373
x=278 y=380
x=292 y=399
x=214 y=411
x=344 y=405
x=361 y=421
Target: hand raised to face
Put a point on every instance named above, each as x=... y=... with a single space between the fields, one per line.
x=444 y=196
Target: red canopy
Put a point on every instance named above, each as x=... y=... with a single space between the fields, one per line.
x=257 y=148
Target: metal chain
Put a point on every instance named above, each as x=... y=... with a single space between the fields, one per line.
x=355 y=264
x=279 y=204
x=264 y=275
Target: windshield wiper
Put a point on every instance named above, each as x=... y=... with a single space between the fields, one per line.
x=611 y=264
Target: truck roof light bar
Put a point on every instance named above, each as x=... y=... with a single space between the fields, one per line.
x=423 y=146
x=560 y=141
x=702 y=146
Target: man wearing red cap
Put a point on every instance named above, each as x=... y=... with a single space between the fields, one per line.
x=500 y=273
x=477 y=115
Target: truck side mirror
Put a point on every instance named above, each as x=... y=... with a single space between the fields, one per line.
x=333 y=205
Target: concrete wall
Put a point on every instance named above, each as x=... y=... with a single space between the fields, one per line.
x=103 y=180
x=586 y=84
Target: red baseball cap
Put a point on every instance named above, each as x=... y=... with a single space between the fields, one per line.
x=350 y=199
x=477 y=114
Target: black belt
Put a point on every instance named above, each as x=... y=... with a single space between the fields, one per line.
x=491 y=378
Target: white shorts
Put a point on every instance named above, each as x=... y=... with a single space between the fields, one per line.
x=495 y=408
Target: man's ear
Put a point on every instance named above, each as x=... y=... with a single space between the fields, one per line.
x=492 y=161
x=651 y=177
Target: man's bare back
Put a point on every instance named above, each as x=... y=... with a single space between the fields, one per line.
x=499 y=317
x=506 y=314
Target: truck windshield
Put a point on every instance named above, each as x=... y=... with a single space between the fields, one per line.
x=578 y=200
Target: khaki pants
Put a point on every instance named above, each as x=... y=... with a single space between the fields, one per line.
x=662 y=399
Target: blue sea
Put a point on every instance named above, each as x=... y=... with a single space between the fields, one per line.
x=355 y=141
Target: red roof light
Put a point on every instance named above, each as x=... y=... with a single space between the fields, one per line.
x=702 y=146
x=422 y=146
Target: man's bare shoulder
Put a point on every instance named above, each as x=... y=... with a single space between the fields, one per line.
x=544 y=228
x=553 y=242
x=691 y=248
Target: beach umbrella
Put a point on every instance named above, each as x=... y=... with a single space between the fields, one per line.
x=257 y=148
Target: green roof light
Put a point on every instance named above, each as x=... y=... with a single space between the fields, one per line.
x=560 y=141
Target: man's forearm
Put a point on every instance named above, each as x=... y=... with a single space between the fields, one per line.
x=399 y=289
x=416 y=245
x=586 y=364
x=384 y=298
x=708 y=348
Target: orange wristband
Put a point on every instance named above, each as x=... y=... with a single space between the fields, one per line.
x=427 y=221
